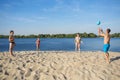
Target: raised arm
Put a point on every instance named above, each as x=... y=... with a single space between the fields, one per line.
x=100 y=32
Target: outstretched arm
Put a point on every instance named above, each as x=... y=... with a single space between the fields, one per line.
x=75 y=40
x=100 y=32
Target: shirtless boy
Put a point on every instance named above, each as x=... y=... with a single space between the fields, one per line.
x=77 y=42
x=106 y=36
x=11 y=42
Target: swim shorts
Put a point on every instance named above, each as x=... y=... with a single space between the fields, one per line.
x=106 y=47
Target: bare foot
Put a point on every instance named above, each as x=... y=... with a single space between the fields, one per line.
x=108 y=62
x=12 y=55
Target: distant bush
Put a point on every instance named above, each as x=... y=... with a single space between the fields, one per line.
x=83 y=35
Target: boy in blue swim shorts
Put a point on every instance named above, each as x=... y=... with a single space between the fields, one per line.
x=106 y=46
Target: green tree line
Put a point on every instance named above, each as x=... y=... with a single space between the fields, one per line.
x=83 y=35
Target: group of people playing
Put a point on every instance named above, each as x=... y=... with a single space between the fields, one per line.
x=106 y=47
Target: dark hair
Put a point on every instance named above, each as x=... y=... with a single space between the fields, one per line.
x=108 y=30
x=11 y=31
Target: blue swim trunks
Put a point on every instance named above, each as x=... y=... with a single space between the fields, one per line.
x=106 y=47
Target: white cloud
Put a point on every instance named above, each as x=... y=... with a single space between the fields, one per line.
x=23 y=19
x=55 y=8
x=31 y=19
x=26 y=19
x=40 y=18
x=61 y=5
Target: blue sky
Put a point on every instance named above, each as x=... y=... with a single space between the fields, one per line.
x=58 y=16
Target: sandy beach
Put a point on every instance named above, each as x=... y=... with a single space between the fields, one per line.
x=59 y=65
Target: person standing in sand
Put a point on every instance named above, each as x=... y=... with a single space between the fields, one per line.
x=37 y=44
x=77 y=42
x=106 y=36
x=11 y=42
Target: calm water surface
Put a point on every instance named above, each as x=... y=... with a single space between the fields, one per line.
x=60 y=44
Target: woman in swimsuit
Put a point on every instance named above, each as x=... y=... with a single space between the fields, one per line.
x=77 y=42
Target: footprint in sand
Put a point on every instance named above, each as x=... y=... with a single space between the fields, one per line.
x=28 y=72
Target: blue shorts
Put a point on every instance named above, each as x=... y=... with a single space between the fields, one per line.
x=106 y=47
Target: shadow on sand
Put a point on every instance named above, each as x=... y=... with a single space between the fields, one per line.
x=116 y=58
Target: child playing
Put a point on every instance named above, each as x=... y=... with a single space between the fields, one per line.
x=77 y=42
x=37 y=44
x=11 y=42
x=106 y=36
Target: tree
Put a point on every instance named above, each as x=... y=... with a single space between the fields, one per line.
x=83 y=35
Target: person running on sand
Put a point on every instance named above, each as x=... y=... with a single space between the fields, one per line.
x=11 y=42
x=106 y=46
x=77 y=42
x=37 y=44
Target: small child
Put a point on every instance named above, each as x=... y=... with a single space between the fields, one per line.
x=77 y=42
x=106 y=36
x=11 y=42
x=37 y=44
